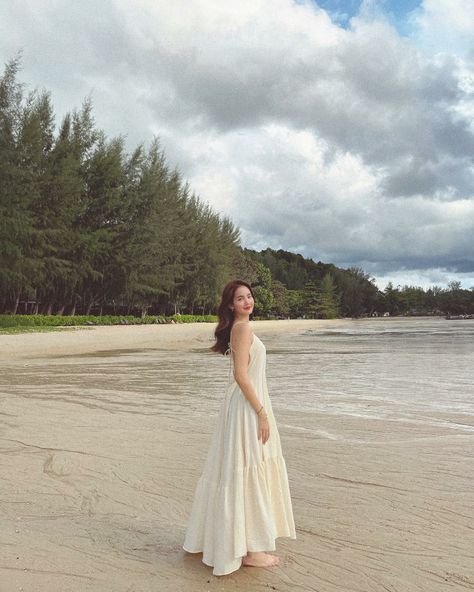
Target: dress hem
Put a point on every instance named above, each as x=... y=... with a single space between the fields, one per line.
x=270 y=547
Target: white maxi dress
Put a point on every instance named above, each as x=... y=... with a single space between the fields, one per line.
x=242 y=499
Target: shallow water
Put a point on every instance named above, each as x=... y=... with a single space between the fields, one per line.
x=416 y=370
x=412 y=370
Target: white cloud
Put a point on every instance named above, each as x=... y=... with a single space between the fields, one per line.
x=456 y=16
x=353 y=146
x=446 y=26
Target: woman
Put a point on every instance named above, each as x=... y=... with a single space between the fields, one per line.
x=242 y=500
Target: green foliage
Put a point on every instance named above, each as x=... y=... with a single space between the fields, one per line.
x=80 y=320
x=295 y=299
x=262 y=289
x=392 y=299
x=32 y=329
x=194 y=318
x=291 y=269
x=320 y=299
x=263 y=300
x=86 y=227
x=281 y=303
x=357 y=292
x=310 y=300
x=328 y=300
x=415 y=301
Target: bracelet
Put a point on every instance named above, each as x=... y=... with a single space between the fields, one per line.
x=258 y=412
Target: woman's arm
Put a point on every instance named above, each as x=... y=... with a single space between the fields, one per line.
x=241 y=341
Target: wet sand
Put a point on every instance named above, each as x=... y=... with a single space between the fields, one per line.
x=102 y=443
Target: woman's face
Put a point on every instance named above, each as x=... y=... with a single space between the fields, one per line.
x=243 y=302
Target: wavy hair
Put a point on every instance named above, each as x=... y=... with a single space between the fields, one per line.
x=226 y=316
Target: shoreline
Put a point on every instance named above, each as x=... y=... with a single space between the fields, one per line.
x=179 y=336
x=85 y=339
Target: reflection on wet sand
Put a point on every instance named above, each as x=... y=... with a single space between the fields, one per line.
x=101 y=449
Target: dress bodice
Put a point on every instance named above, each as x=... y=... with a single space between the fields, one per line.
x=257 y=358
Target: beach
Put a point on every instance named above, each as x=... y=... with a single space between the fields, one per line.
x=104 y=436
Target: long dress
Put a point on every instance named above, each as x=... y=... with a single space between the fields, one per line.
x=242 y=499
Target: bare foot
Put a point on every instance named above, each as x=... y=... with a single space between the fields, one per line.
x=260 y=559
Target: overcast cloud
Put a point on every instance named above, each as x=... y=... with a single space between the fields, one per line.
x=345 y=136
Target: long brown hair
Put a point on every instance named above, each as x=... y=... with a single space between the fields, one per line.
x=226 y=316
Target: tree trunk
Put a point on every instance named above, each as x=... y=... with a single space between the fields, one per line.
x=60 y=310
x=72 y=312
x=16 y=303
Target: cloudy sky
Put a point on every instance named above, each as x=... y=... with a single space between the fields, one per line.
x=340 y=129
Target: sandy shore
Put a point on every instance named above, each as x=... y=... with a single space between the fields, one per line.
x=180 y=336
x=99 y=460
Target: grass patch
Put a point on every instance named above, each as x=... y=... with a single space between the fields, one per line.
x=17 y=321
x=20 y=329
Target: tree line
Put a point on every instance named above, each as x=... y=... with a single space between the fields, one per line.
x=88 y=228
x=295 y=286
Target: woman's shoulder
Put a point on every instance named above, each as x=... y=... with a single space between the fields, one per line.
x=241 y=328
x=243 y=325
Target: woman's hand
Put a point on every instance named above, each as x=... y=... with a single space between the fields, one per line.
x=263 y=427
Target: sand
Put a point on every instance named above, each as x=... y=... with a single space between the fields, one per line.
x=99 y=460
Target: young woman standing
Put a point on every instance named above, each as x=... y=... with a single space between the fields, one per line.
x=242 y=500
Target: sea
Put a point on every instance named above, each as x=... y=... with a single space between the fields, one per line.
x=411 y=369
x=417 y=369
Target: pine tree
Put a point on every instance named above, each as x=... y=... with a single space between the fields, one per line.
x=26 y=125
x=310 y=304
x=13 y=219
x=150 y=252
x=327 y=299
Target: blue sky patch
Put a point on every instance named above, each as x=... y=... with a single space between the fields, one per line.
x=397 y=12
